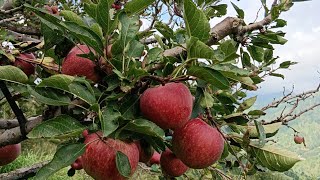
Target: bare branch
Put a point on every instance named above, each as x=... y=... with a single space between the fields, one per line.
x=11 y=10
x=13 y=136
x=23 y=173
x=22 y=29
x=8 y=124
x=22 y=37
x=7 y=20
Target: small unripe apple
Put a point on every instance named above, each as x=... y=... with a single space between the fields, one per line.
x=77 y=165
x=168 y=106
x=9 y=153
x=75 y=65
x=197 y=144
x=99 y=158
x=171 y=165
x=298 y=139
x=155 y=159
x=26 y=67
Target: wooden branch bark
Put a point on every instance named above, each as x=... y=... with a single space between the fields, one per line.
x=22 y=37
x=23 y=173
x=8 y=124
x=13 y=136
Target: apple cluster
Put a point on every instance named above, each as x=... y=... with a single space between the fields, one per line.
x=195 y=144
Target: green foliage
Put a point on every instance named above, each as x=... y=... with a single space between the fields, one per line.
x=218 y=76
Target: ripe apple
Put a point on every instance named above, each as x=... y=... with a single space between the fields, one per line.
x=171 y=165
x=85 y=133
x=197 y=144
x=145 y=151
x=9 y=153
x=75 y=65
x=26 y=67
x=168 y=106
x=99 y=158
x=52 y=9
x=155 y=159
x=298 y=139
x=77 y=165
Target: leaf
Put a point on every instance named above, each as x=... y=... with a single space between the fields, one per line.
x=257 y=53
x=256 y=113
x=165 y=30
x=12 y=74
x=103 y=15
x=261 y=133
x=123 y=164
x=86 y=35
x=59 y=127
x=273 y=158
x=109 y=121
x=238 y=118
x=247 y=104
x=144 y=126
x=197 y=24
x=135 y=49
x=231 y=68
x=229 y=50
x=198 y=49
x=73 y=17
x=239 y=11
x=270 y=130
x=277 y=75
x=64 y=156
x=71 y=85
x=211 y=76
x=136 y=6
x=287 y=64
x=49 y=96
x=207 y=100
x=128 y=30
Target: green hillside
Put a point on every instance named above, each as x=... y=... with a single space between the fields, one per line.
x=308 y=125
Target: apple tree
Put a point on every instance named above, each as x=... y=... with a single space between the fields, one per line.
x=121 y=81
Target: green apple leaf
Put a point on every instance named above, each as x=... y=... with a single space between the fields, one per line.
x=198 y=49
x=136 y=6
x=49 y=96
x=64 y=156
x=12 y=74
x=246 y=104
x=62 y=126
x=197 y=24
x=273 y=158
x=144 y=126
x=270 y=130
x=109 y=122
x=215 y=78
x=123 y=164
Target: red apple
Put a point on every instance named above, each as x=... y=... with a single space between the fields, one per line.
x=75 y=65
x=77 y=165
x=168 y=106
x=99 y=159
x=197 y=144
x=155 y=159
x=26 y=67
x=298 y=139
x=145 y=151
x=85 y=133
x=116 y=6
x=9 y=153
x=55 y=10
x=171 y=165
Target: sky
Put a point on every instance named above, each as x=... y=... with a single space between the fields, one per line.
x=303 y=46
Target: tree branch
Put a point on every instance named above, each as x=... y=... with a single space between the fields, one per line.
x=22 y=37
x=2 y=11
x=8 y=124
x=13 y=136
x=22 y=29
x=23 y=173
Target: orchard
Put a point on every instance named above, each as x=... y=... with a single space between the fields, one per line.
x=125 y=84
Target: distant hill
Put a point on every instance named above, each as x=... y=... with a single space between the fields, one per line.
x=309 y=127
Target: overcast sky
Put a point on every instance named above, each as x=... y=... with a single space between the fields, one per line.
x=303 y=46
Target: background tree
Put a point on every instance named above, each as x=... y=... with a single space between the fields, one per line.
x=89 y=64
